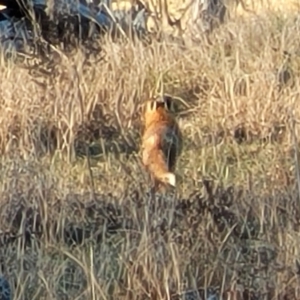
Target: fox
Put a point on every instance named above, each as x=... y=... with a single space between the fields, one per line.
x=161 y=141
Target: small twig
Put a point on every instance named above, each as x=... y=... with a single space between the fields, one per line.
x=92 y=272
x=90 y=171
x=114 y=20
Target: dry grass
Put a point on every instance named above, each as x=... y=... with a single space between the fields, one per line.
x=237 y=114
x=249 y=6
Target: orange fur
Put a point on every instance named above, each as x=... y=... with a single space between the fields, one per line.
x=161 y=141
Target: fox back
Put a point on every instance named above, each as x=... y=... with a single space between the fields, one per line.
x=161 y=141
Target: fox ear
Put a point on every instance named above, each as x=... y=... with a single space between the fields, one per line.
x=150 y=106
x=169 y=103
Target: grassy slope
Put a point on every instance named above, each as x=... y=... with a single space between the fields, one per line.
x=230 y=90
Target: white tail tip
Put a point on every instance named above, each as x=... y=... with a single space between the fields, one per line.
x=171 y=179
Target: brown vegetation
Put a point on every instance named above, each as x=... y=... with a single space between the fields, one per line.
x=77 y=218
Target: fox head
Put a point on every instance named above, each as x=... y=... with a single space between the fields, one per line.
x=158 y=106
x=165 y=102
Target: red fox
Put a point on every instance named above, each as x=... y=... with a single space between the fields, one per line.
x=161 y=140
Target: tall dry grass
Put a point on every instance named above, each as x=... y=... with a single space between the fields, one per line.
x=249 y=7
x=238 y=94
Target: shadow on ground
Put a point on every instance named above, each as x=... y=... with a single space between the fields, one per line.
x=216 y=226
